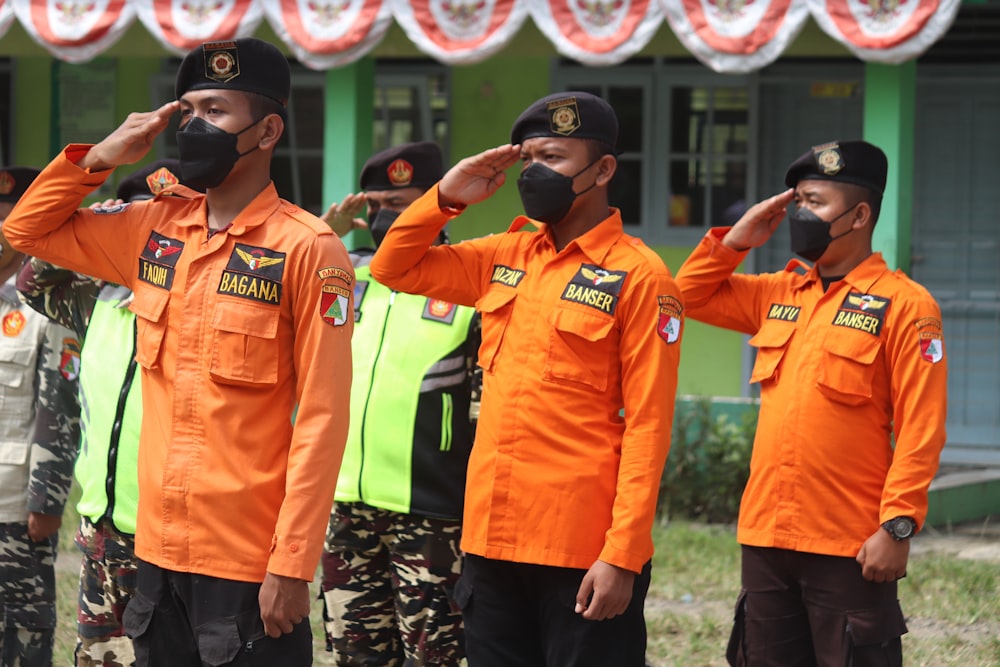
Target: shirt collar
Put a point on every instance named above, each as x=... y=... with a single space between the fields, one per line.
x=596 y=243
x=862 y=277
x=252 y=216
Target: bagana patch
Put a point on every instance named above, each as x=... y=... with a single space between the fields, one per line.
x=595 y=287
x=253 y=273
x=333 y=304
x=863 y=312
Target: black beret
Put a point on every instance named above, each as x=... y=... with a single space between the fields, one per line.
x=572 y=114
x=147 y=182
x=416 y=165
x=856 y=162
x=247 y=64
x=14 y=181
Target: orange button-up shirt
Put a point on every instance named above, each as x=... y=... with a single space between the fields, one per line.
x=233 y=330
x=840 y=373
x=558 y=475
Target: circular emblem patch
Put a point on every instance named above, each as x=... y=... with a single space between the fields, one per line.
x=222 y=63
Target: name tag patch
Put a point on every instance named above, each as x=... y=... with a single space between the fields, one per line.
x=864 y=312
x=506 y=275
x=595 y=287
x=254 y=273
x=158 y=259
x=784 y=313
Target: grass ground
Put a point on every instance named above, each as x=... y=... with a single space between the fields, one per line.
x=952 y=604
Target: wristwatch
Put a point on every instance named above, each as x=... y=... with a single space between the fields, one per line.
x=901 y=528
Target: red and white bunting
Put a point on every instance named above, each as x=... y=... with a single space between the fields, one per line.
x=75 y=30
x=6 y=16
x=597 y=32
x=459 y=32
x=886 y=31
x=736 y=35
x=329 y=33
x=181 y=25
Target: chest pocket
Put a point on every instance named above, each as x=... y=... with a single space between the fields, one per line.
x=150 y=309
x=245 y=346
x=771 y=343
x=580 y=349
x=496 y=307
x=848 y=369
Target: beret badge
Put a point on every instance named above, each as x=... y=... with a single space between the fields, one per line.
x=564 y=116
x=7 y=183
x=828 y=158
x=400 y=173
x=222 y=62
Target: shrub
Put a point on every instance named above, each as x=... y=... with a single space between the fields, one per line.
x=709 y=463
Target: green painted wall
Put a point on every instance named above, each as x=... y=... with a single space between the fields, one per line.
x=31 y=112
x=487 y=98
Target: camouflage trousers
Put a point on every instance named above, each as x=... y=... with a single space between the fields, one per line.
x=107 y=581
x=387 y=588
x=28 y=596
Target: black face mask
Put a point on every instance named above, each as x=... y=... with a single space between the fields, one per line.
x=380 y=223
x=207 y=153
x=811 y=234
x=546 y=194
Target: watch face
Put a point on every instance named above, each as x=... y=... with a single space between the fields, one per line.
x=902 y=528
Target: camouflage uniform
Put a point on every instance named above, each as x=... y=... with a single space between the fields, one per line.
x=108 y=567
x=39 y=420
x=387 y=582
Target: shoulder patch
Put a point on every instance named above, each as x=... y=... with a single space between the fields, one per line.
x=333 y=305
x=69 y=362
x=335 y=272
x=668 y=326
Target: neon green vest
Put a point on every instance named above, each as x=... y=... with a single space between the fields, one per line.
x=410 y=433
x=111 y=414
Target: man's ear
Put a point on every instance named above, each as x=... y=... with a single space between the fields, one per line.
x=606 y=168
x=862 y=216
x=273 y=127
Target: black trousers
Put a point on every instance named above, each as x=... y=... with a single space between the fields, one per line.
x=177 y=619
x=522 y=615
x=802 y=610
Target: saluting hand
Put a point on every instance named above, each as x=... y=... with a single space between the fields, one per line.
x=759 y=222
x=131 y=141
x=477 y=177
x=343 y=217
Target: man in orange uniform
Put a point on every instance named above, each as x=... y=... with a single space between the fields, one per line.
x=849 y=354
x=580 y=347
x=243 y=307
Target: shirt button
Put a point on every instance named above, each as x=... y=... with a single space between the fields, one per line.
x=293 y=547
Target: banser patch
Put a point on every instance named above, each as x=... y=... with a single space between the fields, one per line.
x=506 y=275
x=864 y=312
x=669 y=324
x=254 y=273
x=930 y=339
x=158 y=259
x=439 y=311
x=779 y=311
x=333 y=304
x=69 y=362
x=360 y=288
x=595 y=287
